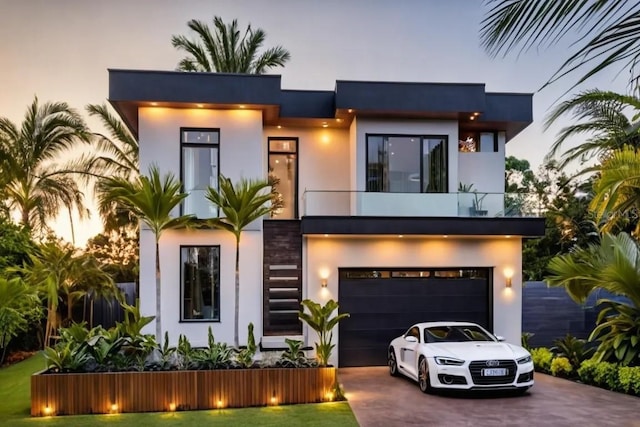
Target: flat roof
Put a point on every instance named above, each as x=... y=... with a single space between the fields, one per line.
x=132 y=89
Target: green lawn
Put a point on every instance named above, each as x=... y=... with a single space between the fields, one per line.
x=14 y=410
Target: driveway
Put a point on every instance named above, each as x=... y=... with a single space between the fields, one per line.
x=378 y=399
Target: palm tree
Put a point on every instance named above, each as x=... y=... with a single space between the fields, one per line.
x=608 y=32
x=617 y=189
x=603 y=116
x=241 y=204
x=117 y=155
x=33 y=184
x=61 y=273
x=151 y=199
x=226 y=51
x=612 y=265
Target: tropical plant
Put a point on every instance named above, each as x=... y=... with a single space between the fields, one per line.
x=166 y=354
x=240 y=204
x=245 y=355
x=574 y=349
x=15 y=245
x=61 y=273
x=66 y=357
x=607 y=31
x=319 y=319
x=19 y=307
x=215 y=356
x=33 y=184
x=617 y=190
x=293 y=356
x=614 y=266
x=115 y=155
x=152 y=199
x=185 y=353
x=226 y=51
x=524 y=340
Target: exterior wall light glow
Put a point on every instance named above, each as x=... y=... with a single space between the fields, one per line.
x=508 y=274
x=323 y=283
x=507 y=283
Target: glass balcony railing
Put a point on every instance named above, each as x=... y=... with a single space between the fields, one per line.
x=474 y=204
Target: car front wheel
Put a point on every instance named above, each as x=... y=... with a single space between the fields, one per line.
x=393 y=363
x=423 y=376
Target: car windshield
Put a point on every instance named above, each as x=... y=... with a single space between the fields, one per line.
x=461 y=333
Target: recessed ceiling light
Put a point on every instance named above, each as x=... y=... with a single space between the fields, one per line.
x=279 y=127
x=339 y=120
x=199 y=105
x=400 y=236
x=325 y=125
x=508 y=237
x=326 y=235
x=445 y=236
x=242 y=106
x=154 y=104
x=476 y=114
x=472 y=117
x=350 y=110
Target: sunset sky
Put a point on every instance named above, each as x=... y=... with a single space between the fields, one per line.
x=60 y=51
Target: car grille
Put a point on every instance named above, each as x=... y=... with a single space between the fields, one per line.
x=476 y=367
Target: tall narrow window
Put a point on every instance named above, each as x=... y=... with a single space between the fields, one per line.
x=200 y=158
x=394 y=164
x=200 y=283
x=283 y=174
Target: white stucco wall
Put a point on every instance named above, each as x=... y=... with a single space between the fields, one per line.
x=241 y=155
x=485 y=170
x=324 y=255
x=323 y=161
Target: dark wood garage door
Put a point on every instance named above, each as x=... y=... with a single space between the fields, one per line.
x=384 y=303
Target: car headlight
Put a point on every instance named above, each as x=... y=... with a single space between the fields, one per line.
x=448 y=361
x=524 y=360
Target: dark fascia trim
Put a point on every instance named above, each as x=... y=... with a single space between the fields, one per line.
x=410 y=97
x=451 y=226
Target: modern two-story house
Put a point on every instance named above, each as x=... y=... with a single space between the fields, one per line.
x=393 y=205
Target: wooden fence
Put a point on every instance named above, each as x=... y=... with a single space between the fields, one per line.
x=114 y=392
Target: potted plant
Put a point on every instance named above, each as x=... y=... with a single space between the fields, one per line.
x=476 y=202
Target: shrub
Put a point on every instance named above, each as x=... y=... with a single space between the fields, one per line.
x=629 y=379
x=606 y=375
x=524 y=340
x=587 y=371
x=542 y=358
x=561 y=367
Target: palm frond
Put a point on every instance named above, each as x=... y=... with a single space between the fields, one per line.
x=608 y=31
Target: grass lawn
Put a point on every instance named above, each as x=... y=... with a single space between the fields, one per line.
x=14 y=410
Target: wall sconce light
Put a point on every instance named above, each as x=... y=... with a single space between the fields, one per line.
x=323 y=283
x=507 y=284
x=508 y=274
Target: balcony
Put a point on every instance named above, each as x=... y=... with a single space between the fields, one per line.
x=473 y=204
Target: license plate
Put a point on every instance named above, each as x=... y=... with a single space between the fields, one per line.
x=495 y=372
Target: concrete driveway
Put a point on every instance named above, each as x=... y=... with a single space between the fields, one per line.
x=378 y=399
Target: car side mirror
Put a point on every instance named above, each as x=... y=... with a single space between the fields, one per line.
x=500 y=338
x=410 y=338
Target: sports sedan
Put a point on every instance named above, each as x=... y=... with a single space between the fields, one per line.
x=462 y=356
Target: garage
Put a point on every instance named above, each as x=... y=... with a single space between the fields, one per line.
x=384 y=302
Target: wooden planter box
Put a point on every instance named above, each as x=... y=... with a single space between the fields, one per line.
x=111 y=392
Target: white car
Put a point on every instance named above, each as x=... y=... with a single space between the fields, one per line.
x=461 y=356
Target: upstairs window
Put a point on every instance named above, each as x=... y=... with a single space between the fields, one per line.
x=478 y=142
x=200 y=168
x=407 y=164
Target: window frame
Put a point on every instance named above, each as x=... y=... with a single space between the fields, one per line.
x=195 y=144
x=297 y=154
x=421 y=138
x=181 y=284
